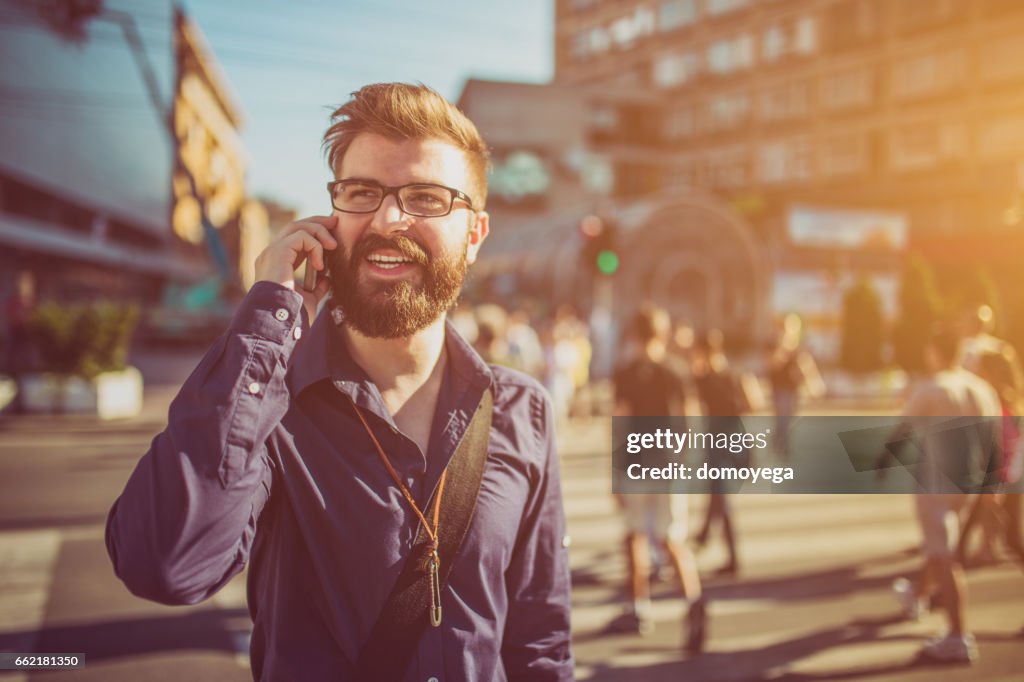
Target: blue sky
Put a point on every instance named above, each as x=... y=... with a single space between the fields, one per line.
x=287 y=63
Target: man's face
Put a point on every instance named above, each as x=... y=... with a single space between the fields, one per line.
x=428 y=256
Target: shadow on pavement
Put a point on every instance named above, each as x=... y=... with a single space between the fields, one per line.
x=764 y=663
x=208 y=629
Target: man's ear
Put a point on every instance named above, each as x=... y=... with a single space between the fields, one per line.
x=478 y=232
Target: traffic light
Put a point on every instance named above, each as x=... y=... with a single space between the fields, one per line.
x=599 y=253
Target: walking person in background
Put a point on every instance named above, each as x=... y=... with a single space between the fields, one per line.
x=945 y=467
x=791 y=369
x=647 y=385
x=721 y=394
x=991 y=510
x=977 y=324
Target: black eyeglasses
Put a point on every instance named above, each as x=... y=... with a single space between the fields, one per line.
x=421 y=199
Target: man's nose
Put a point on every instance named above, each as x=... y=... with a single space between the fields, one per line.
x=389 y=217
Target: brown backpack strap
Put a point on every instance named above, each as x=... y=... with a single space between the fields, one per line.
x=395 y=635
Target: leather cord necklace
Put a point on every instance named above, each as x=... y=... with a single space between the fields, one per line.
x=432 y=560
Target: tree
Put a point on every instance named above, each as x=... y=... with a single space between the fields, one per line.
x=862 y=329
x=920 y=307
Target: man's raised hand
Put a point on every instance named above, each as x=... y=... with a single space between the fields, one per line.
x=306 y=239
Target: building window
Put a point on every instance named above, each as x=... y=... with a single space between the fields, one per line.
x=580 y=45
x=727 y=167
x=673 y=14
x=785 y=160
x=681 y=176
x=913 y=15
x=626 y=30
x=929 y=74
x=792 y=36
x=603 y=117
x=841 y=155
x=847 y=89
x=805 y=35
x=717 y=7
x=1002 y=137
x=730 y=54
x=599 y=40
x=919 y=147
x=1002 y=58
x=725 y=111
x=784 y=102
x=675 y=68
x=680 y=123
x=850 y=23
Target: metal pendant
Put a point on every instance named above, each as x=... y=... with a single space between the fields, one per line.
x=435 y=590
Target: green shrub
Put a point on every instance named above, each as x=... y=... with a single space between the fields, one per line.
x=84 y=339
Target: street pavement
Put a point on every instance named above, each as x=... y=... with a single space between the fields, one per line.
x=812 y=601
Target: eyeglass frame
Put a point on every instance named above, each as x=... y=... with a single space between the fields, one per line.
x=394 y=190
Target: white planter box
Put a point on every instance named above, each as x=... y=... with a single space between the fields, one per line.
x=111 y=395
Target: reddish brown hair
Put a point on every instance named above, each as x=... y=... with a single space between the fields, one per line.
x=407 y=112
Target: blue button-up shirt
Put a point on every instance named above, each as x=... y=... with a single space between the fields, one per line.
x=263 y=460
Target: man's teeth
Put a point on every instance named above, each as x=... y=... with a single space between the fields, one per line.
x=388 y=262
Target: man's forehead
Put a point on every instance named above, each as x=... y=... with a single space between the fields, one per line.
x=397 y=161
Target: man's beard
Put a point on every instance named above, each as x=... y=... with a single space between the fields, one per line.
x=394 y=309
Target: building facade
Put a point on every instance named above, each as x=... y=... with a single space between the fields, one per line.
x=914 y=105
x=831 y=135
x=118 y=135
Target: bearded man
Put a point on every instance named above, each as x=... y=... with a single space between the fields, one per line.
x=330 y=458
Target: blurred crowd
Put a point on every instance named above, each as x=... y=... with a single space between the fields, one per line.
x=655 y=366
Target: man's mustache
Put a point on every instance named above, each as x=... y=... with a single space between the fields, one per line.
x=405 y=246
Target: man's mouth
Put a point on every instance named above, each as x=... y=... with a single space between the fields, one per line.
x=389 y=262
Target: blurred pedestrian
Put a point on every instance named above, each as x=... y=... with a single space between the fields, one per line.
x=524 y=350
x=560 y=360
x=791 y=370
x=949 y=391
x=721 y=395
x=997 y=510
x=18 y=309
x=646 y=385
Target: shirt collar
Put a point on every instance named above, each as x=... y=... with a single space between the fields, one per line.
x=322 y=355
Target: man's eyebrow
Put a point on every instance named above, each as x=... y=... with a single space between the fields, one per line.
x=356 y=178
x=374 y=181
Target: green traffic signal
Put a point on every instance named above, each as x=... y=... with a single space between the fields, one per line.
x=607 y=262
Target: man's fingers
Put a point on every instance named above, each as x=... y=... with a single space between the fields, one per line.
x=303 y=245
x=320 y=226
x=302 y=240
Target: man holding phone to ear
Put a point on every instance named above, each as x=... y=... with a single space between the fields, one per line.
x=397 y=499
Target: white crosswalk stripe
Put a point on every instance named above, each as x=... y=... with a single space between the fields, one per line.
x=26 y=570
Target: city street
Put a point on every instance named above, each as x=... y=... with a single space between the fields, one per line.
x=812 y=601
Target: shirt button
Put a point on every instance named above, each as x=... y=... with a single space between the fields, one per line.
x=432 y=679
x=254 y=388
x=566 y=541
x=281 y=314
x=297 y=333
